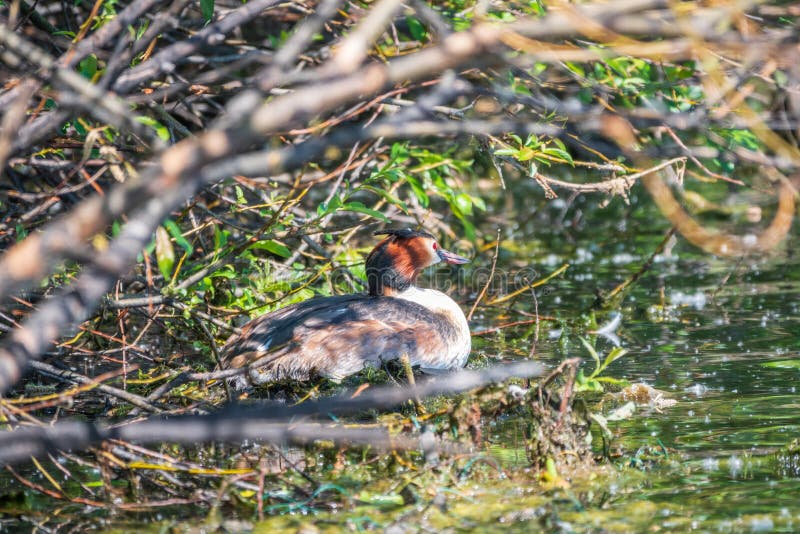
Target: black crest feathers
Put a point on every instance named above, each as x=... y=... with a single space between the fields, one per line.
x=403 y=233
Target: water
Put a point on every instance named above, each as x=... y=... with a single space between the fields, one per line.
x=717 y=337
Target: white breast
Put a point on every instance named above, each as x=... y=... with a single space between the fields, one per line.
x=439 y=303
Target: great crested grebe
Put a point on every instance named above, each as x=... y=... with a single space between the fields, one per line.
x=337 y=336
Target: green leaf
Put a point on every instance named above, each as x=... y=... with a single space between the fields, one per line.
x=418 y=191
x=177 y=235
x=592 y=352
x=399 y=152
x=88 y=66
x=79 y=128
x=464 y=203
x=416 y=29
x=207 y=9
x=525 y=154
x=220 y=237
x=386 y=195
x=21 y=232
x=559 y=153
x=161 y=130
x=478 y=203
x=273 y=247
x=582 y=383
x=240 y=195
x=380 y=499
x=165 y=253
x=358 y=207
x=782 y=364
x=576 y=68
x=329 y=207
x=615 y=354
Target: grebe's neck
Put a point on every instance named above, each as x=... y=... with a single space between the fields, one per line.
x=435 y=301
x=393 y=267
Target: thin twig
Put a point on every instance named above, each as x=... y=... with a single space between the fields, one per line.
x=489 y=280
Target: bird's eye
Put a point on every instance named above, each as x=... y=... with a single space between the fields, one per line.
x=435 y=245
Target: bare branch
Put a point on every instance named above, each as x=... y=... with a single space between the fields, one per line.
x=266 y=422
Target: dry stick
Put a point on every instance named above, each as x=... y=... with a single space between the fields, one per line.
x=332 y=191
x=52 y=493
x=132 y=506
x=432 y=17
x=13 y=117
x=258 y=422
x=696 y=161
x=512 y=324
x=612 y=186
x=387 y=397
x=31 y=404
x=566 y=394
x=212 y=34
x=107 y=31
x=77 y=90
x=352 y=51
x=94 y=42
x=489 y=281
x=217 y=357
x=37 y=129
x=532 y=352
x=302 y=36
x=154 y=30
x=64 y=375
x=527 y=287
x=643 y=269
x=615 y=185
x=558 y=371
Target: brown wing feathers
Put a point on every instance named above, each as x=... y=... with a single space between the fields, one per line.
x=335 y=337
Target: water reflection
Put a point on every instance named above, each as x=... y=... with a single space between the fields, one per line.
x=719 y=336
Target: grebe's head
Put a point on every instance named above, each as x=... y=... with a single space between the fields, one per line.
x=395 y=263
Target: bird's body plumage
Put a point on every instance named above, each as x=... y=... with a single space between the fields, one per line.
x=337 y=336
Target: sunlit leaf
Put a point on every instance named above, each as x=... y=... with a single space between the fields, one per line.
x=615 y=354
x=464 y=203
x=177 y=235
x=782 y=364
x=563 y=154
x=165 y=253
x=361 y=208
x=161 y=131
x=419 y=191
x=416 y=29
